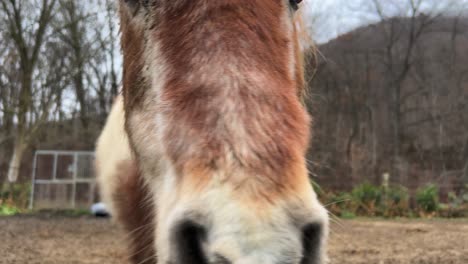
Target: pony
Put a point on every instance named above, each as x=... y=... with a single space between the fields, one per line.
x=202 y=158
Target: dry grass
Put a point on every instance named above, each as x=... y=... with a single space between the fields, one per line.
x=53 y=240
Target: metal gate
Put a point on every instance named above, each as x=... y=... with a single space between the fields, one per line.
x=63 y=180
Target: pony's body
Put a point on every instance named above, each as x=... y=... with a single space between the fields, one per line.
x=212 y=136
x=122 y=186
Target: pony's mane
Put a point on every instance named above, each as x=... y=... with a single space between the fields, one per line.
x=307 y=57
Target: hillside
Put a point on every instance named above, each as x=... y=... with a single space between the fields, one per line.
x=392 y=97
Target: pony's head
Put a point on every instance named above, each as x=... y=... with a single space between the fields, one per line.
x=214 y=119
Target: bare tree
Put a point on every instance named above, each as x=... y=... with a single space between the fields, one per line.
x=91 y=36
x=105 y=64
x=399 y=55
x=27 y=27
x=8 y=82
x=59 y=62
x=392 y=95
x=74 y=35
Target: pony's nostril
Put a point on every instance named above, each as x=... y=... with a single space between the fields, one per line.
x=311 y=243
x=221 y=260
x=188 y=238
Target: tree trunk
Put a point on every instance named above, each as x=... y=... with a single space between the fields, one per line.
x=465 y=159
x=15 y=162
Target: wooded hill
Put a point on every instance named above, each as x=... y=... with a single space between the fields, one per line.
x=392 y=97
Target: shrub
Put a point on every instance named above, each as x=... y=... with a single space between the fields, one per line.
x=347 y=215
x=6 y=209
x=367 y=198
x=457 y=205
x=17 y=194
x=395 y=201
x=427 y=199
x=341 y=203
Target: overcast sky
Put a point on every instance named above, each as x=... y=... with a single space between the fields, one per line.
x=329 y=18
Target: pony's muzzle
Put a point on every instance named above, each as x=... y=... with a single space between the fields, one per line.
x=190 y=245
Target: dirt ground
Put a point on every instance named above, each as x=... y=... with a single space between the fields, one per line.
x=53 y=240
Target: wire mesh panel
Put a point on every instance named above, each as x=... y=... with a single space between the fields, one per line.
x=63 y=180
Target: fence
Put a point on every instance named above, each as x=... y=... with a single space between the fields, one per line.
x=62 y=180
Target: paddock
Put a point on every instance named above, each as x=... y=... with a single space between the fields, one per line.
x=47 y=239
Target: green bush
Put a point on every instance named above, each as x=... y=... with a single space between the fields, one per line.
x=427 y=199
x=7 y=210
x=347 y=215
x=457 y=205
x=342 y=204
x=336 y=203
x=464 y=195
x=367 y=198
x=17 y=194
x=395 y=201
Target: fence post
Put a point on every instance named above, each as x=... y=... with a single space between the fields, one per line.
x=75 y=168
x=33 y=175
x=386 y=180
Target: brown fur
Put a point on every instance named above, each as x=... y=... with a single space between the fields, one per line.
x=132 y=41
x=136 y=213
x=241 y=117
x=275 y=123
